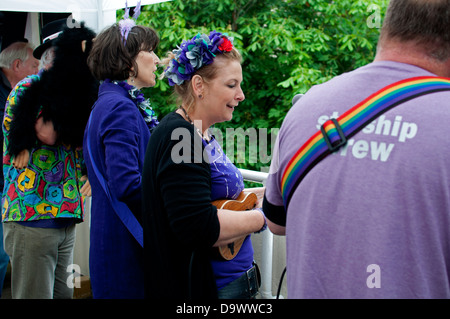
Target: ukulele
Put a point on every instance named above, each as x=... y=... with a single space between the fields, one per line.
x=245 y=201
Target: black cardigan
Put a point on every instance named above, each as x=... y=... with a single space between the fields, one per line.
x=180 y=223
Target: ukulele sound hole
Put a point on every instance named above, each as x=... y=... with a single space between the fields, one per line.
x=231 y=248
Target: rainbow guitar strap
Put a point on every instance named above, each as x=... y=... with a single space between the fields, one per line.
x=335 y=132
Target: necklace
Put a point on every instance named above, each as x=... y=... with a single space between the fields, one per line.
x=207 y=137
x=143 y=104
x=186 y=114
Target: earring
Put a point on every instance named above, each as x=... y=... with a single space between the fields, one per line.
x=200 y=96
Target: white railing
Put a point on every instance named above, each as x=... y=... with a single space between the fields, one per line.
x=254 y=176
x=267 y=241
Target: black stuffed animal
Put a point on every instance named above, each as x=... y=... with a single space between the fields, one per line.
x=66 y=91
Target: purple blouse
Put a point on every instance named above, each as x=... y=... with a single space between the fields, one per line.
x=227 y=182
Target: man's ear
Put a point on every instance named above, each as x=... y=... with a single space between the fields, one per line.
x=15 y=65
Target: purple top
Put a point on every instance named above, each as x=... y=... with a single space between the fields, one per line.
x=227 y=182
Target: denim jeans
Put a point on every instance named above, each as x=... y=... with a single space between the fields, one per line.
x=244 y=287
x=39 y=260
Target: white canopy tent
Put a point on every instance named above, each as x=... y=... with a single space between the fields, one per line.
x=96 y=13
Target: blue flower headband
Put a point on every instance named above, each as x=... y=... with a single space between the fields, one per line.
x=195 y=53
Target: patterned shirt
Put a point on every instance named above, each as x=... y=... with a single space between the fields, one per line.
x=49 y=187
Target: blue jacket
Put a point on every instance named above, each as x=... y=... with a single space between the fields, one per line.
x=118 y=139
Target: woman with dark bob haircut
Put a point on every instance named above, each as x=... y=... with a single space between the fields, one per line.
x=115 y=139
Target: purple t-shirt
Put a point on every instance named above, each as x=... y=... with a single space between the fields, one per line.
x=227 y=182
x=373 y=219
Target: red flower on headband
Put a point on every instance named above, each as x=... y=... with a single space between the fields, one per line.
x=226 y=45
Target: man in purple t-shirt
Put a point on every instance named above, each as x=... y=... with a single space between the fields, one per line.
x=372 y=220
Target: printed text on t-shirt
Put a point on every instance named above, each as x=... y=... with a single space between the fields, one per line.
x=397 y=128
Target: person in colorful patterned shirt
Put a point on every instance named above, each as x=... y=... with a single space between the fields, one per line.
x=43 y=194
x=16 y=62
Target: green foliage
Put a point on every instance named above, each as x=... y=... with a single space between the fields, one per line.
x=287 y=47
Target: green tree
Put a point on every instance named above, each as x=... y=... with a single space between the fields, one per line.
x=287 y=47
